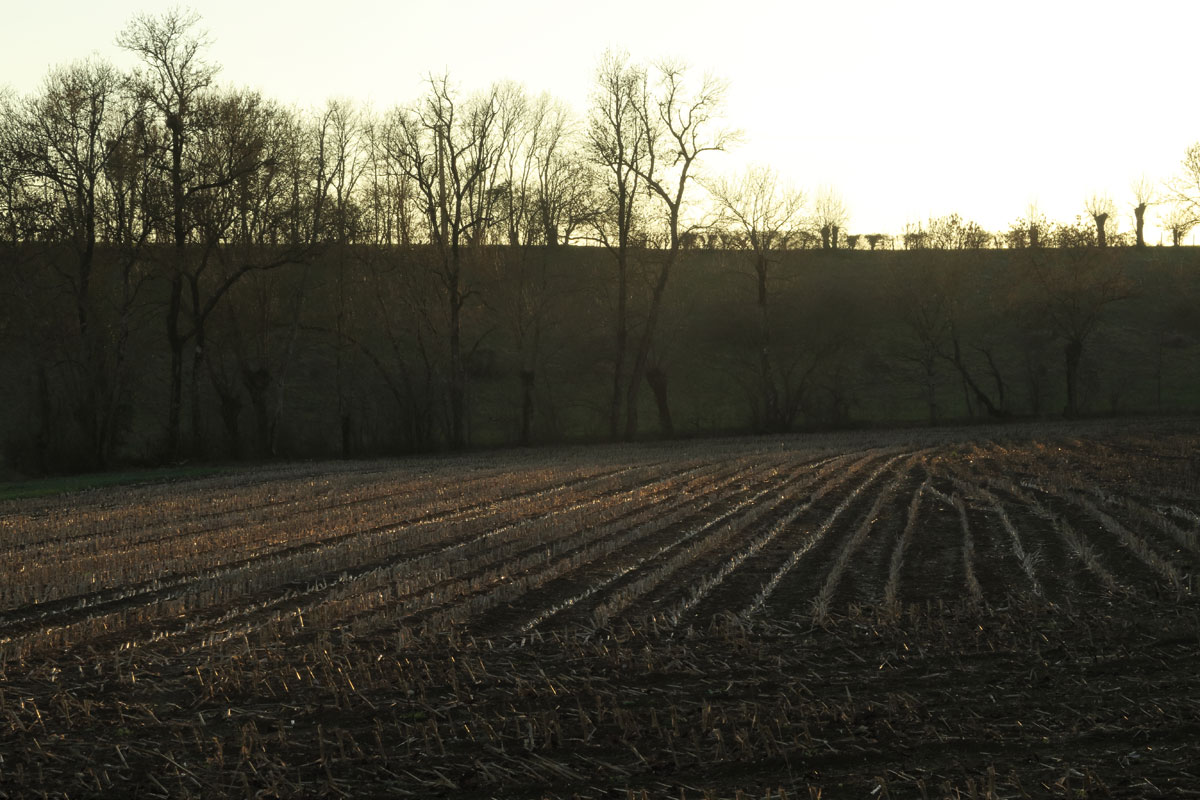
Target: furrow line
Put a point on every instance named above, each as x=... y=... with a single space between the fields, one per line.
x=760 y=601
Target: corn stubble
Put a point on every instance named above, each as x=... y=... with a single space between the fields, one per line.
x=981 y=613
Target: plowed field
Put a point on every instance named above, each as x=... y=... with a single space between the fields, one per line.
x=989 y=612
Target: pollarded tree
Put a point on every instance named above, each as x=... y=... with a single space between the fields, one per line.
x=764 y=213
x=830 y=216
x=1032 y=230
x=1102 y=211
x=1144 y=195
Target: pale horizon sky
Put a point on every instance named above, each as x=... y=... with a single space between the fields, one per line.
x=909 y=110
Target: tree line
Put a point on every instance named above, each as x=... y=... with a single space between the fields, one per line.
x=160 y=230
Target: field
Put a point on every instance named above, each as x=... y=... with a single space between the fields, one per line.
x=987 y=612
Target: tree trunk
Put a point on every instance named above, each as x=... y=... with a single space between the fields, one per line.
x=527 y=384
x=622 y=344
x=773 y=415
x=175 y=302
x=1158 y=372
x=458 y=377
x=231 y=412
x=1074 y=355
x=643 y=351
x=931 y=390
x=347 y=435
x=175 y=340
x=1139 y=215
x=257 y=383
x=658 y=384
x=1100 y=238
x=971 y=388
x=41 y=439
x=197 y=434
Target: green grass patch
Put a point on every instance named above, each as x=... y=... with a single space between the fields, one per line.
x=43 y=487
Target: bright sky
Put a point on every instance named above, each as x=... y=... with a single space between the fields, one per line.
x=908 y=108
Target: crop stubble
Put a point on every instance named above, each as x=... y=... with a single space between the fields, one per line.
x=1007 y=611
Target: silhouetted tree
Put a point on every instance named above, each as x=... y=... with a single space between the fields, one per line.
x=1178 y=221
x=537 y=206
x=951 y=233
x=1102 y=211
x=680 y=125
x=616 y=143
x=830 y=216
x=175 y=76
x=915 y=237
x=1184 y=188
x=450 y=149
x=764 y=212
x=1032 y=230
x=1074 y=285
x=1144 y=195
x=240 y=155
x=66 y=138
x=11 y=185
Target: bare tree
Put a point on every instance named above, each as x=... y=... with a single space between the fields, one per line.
x=915 y=237
x=176 y=75
x=450 y=150
x=1032 y=230
x=1144 y=195
x=566 y=188
x=1101 y=209
x=337 y=164
x=925 y=307
x=1075 y=286
x=70 y=133
x=235 y=156
x=764 y=213
x=10 y=181
x=546 y=193
x=616 y=143
x=1184 y=188
x=340 y=161
x=1178 y=220
x=951 y=233
x=680 y=125
x=391 y=201
x=830 y=216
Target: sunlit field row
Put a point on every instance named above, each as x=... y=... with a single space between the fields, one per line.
x=990 y=612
